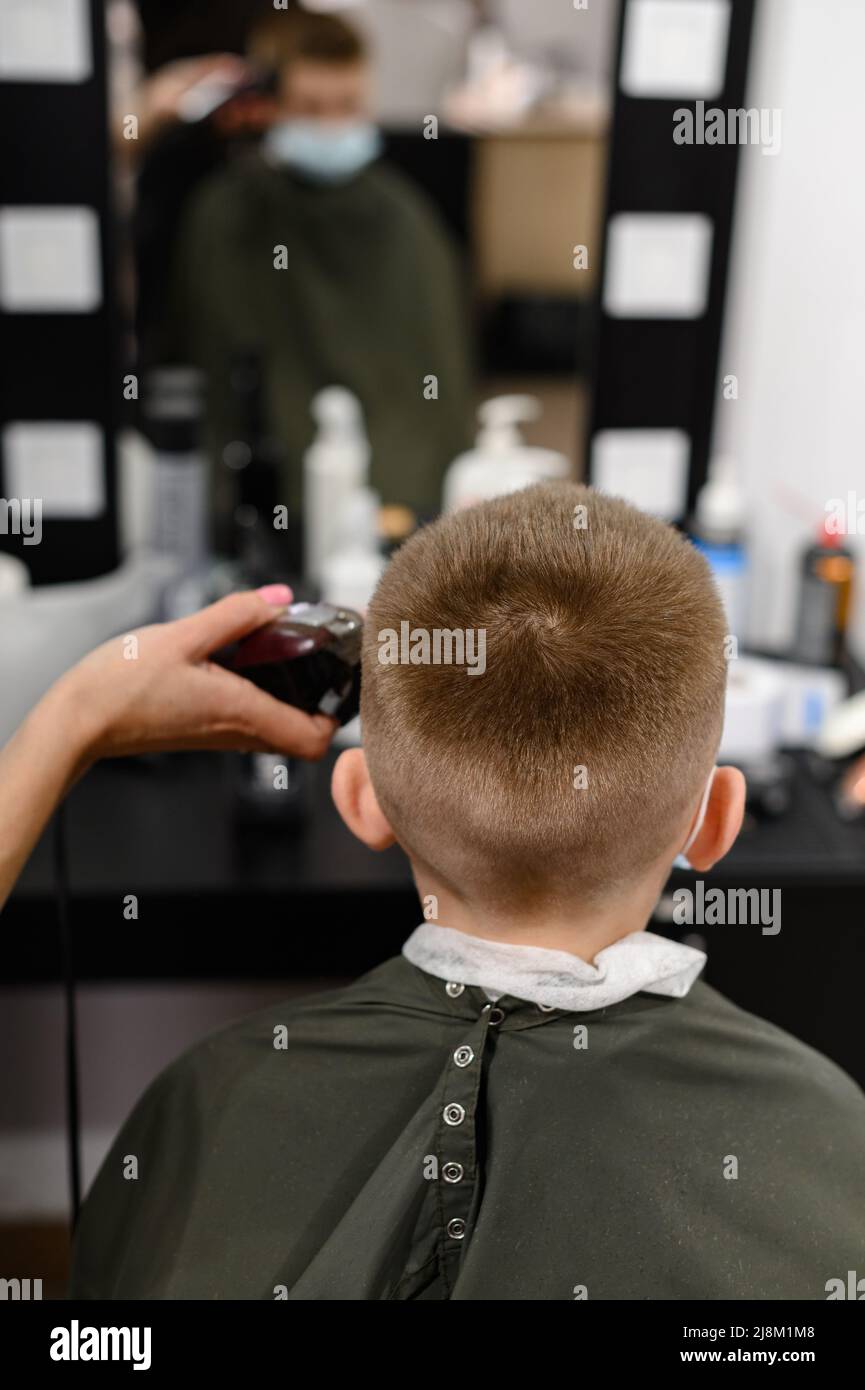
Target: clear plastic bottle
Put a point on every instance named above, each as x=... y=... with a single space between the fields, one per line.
x=352 y=570
x=719 y=532
x=335 y=466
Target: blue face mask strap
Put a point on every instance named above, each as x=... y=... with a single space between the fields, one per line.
x=681 y=862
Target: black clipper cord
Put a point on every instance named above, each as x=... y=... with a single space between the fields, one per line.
x=73 y=1120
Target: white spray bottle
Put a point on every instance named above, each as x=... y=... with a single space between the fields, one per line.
x=501 y=461
x=335 y=465
x=351 y=572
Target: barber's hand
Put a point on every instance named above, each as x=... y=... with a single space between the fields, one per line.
x=157 y=102
x=162 y=93
x=155 y=690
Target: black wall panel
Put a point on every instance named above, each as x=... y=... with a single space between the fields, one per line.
x=656 y=372
x=63 y=366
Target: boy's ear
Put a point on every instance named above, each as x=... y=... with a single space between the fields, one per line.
x=356 y=801
x=723 y=819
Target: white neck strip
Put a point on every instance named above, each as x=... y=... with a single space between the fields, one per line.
x=557 y=979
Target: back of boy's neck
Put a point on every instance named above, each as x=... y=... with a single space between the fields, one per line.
x=582 y=932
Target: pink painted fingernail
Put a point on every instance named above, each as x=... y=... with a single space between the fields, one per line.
x=277 y=595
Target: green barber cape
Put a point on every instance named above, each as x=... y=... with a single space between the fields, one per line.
x=403 y=1139
x=368 y=295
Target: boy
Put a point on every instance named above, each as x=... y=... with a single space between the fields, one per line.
x=538 y=1100
x=317 y=255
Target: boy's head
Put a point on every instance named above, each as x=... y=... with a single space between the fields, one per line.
x=320 y=61
x=571 y=765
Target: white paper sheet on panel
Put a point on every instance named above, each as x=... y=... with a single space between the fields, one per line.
x=45 y=41
x=49 y=260
x=60 y=462
x=675 y=48
x=648 y=467
x=658 y=265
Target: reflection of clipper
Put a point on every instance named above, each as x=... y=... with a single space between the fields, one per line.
x=216 y=90
x=308 y=657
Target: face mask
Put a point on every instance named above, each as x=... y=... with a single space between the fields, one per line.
x=680 y=861
x=320 y=152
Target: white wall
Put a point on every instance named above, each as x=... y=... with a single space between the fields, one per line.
x=795 y=333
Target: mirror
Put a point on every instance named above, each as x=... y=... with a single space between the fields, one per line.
x=399 y=198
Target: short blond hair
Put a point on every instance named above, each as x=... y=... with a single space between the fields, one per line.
x=605 y=650
x=279 y=39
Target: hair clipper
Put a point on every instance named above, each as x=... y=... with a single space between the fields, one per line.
x=309 y=657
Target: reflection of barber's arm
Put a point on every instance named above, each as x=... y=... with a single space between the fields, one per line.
x=157 y=103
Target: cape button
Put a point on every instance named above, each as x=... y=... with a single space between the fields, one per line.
x=464 y=1056
x=456 y=1228
x=453 y=1172
x=454 y=1114
x=453 y=990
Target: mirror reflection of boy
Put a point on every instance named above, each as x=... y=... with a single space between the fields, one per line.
x=538 y=1099
x=315 y=253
